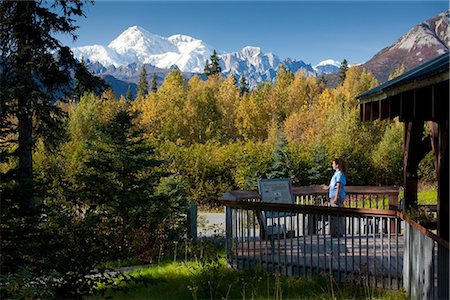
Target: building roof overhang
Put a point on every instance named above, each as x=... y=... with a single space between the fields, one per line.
x=421 y=93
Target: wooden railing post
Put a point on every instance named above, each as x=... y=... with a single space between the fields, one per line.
x=393 y=205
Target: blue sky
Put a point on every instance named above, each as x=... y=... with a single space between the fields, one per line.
x=308 y=30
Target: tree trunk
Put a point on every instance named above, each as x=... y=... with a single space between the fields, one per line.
x=24 y=113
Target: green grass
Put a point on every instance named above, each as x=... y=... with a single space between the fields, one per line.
x=211 y=279
x=426 y=194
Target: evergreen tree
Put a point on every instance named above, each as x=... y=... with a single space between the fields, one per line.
x=120 y=167
x=207 y=69
x=35 y=74
x=280 y=166
x=319 y=171
x=142 y=89
x=343 y=71
x=154 y=87
x=213 y=68
x=129 y=95
x=244 y=86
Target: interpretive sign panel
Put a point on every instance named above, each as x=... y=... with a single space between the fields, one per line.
x=276 y=190
x=279 y=191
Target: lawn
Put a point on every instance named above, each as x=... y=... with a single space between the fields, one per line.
x=209 y=278
x=426 y=194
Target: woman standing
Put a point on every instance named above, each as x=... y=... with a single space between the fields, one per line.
x=336 y=195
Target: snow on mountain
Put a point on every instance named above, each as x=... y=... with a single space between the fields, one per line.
x=258 y=66
x=328 y=66
x=138 y=41
x=194 y=53
x=439 y=24
x=250 y=57
x=98 y=53
x=139 y=45
x=417 y=37
x=328 y=62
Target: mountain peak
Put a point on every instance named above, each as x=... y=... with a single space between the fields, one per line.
x=136 y=39
x=330 y=62
x=421 y=43
x=136 y=28
x=251 y=50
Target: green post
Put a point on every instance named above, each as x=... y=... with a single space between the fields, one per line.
x=192 y=220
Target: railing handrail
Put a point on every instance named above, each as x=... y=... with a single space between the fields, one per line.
x=312 y=209
x=424 y=231
x=316 y=190
x=351 y=189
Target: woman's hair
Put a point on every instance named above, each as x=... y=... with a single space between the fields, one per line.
x=341 y=163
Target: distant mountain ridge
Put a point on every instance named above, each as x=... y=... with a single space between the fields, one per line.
x=421 y=43
x=123 y=57
x=139 y=46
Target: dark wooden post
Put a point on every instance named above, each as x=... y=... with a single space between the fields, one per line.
x=439 y=143
x=409 y=169
x=393 y=205
x=415 y=150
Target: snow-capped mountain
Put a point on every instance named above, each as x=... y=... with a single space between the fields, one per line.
x=257 y=66
x=328 y=66
x=139 y=46
x=252 y=57
x=98 y=53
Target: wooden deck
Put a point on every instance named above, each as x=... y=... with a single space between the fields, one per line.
x=378 y=259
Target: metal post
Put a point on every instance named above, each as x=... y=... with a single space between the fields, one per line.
x=192 y=220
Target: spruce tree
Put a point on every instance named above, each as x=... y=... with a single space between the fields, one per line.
x=142 y=89
x=343 y=71
x=280 y=166
x=154 y=86
x=213 y=68
x=244 y=86
x=129 y=95
x=35 y=73
x=119 y=172
x=207 y=69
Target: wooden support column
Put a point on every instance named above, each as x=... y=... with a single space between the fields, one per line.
x=439 y=143
x=415 y=150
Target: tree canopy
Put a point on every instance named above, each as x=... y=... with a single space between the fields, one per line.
x=212 y=66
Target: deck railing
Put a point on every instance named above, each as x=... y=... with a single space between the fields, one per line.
x=426 y=263
x=362 y=245
x=303 y=240
x=356 y=196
